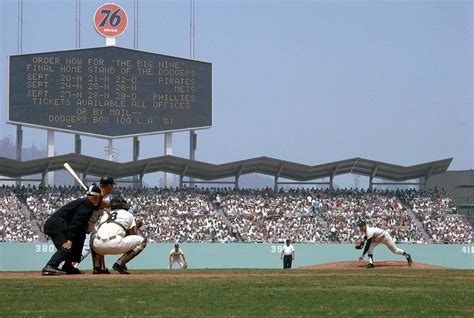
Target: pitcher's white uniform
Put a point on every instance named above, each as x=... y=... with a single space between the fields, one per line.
x=110 y=237
x=380 y=236
x=176 y=257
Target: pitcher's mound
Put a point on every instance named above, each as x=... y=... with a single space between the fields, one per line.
x=379 y=264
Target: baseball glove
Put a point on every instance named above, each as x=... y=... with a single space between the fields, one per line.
x=359 y=245
x=185 y=266
x=138 y=222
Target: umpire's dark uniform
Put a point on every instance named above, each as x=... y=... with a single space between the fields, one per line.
x=69 y=223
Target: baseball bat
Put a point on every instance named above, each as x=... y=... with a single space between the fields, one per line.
x=74 y=175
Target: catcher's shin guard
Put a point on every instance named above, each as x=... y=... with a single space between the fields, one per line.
x=96 y=259
x=102 y=261
x=127 y=257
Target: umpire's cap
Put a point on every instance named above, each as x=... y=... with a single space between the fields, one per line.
x=93 y=191
x=361 y=223
x=105 y=180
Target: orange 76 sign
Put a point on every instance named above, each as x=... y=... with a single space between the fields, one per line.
x=110 y=20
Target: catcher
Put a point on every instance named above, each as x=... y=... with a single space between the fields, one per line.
x=374 y=236
x=177 y=256
x=117 y=234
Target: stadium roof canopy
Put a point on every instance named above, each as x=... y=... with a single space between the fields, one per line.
x=207 y=171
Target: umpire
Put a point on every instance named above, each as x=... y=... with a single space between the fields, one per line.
x=67 y=228
x=287 y=254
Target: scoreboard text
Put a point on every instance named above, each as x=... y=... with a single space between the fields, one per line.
x=109 y=92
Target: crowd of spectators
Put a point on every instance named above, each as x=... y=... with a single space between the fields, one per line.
x=437 y=212
x=343 y=208
x=227 y=215
x=179 y=215
x=260 y=216
x=42 y=202
x=14 y=225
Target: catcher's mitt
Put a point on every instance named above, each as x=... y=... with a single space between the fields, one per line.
x=138 y=222
x=359 y=245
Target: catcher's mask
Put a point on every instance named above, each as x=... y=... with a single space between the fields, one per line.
x=117 y=202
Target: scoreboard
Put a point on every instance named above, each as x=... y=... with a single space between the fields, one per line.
x=109 y=92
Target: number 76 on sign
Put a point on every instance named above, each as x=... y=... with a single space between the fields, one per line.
x=110 y=20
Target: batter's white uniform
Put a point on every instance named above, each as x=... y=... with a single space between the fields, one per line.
x=176 y=257
x=92 y=226
x=380 y=236
x=110 y=237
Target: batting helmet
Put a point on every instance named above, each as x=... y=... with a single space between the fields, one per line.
x=105 y=180
x=117 y=202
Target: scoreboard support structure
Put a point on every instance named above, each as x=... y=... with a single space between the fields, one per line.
x=77 y=137
x=192 y=134
x=50 y=175
x=19 y=146
x=168 y=152
x=136 y=154
x=110 y=150
x=109 y=41
x=19 y=129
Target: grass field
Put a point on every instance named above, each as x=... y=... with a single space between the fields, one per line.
x=237 y=293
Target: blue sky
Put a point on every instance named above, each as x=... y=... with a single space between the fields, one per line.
x=306 y=81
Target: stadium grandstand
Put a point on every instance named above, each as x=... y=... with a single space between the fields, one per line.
x=228 y=215
x=191 y=214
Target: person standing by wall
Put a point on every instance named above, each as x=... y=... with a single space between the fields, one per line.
x=287 y=254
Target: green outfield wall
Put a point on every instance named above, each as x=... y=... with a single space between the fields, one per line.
x=33 y=256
